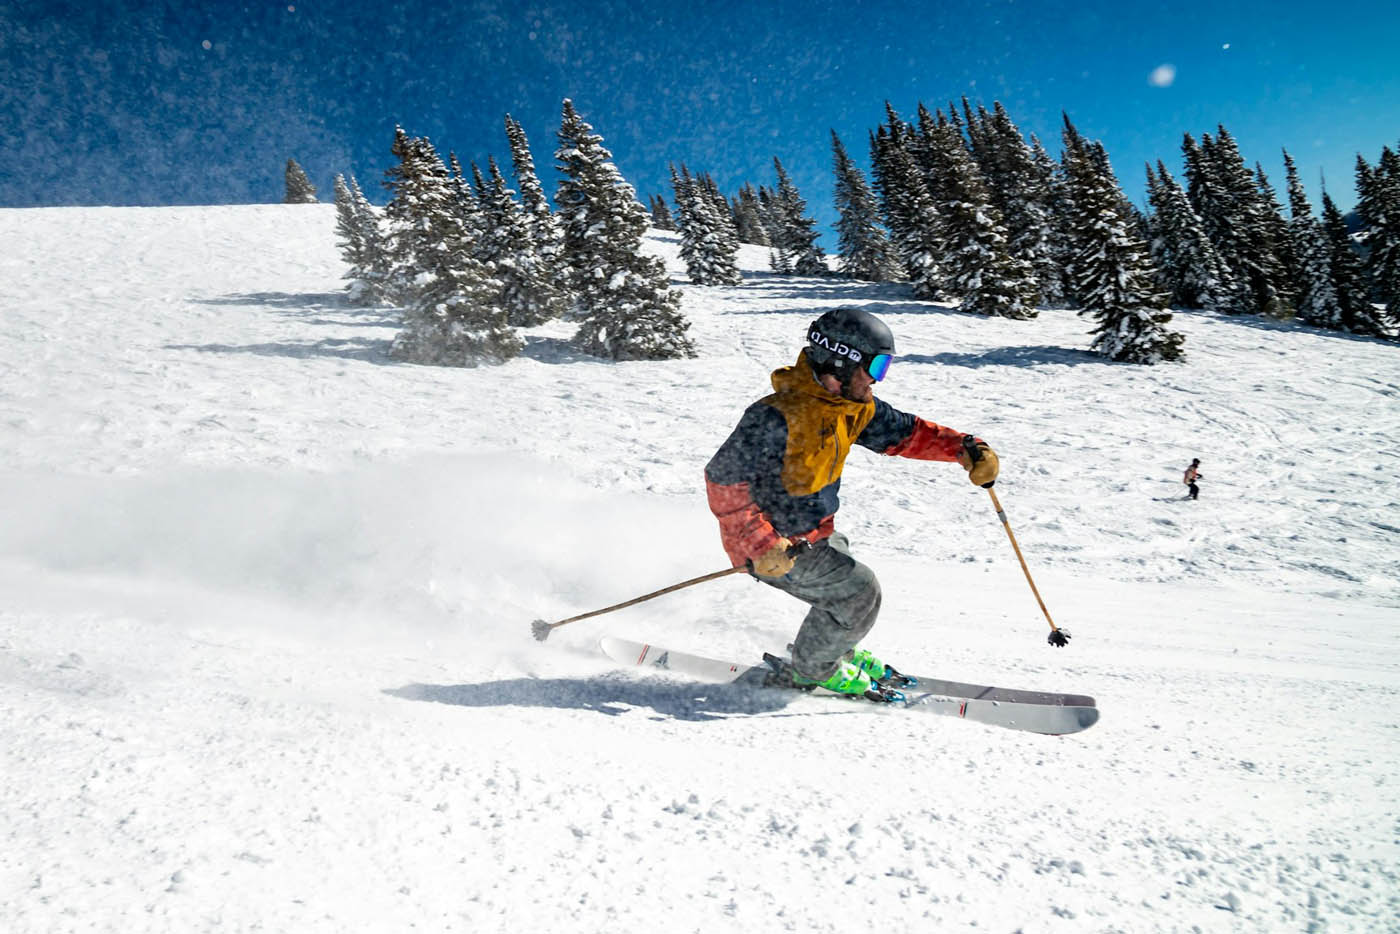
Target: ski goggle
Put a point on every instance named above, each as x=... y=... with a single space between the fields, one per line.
x=878 y=366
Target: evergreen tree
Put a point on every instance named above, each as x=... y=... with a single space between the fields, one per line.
x=1379 y=207
x=466 y=198
x=1050 y=178
x=982 y=271
x=1226 y=196
x=708 y=248
x=507 y=247
x=1022 y=192
x=726 y=225
x=1317 y=298
x=911 y=216
x=544 y=227
x=1113 y=272
x=628 y=311
x=451 y=314
x=865 y=250
x=748 y=218
x=1189 y=267
x=376 y=274
x=1348 y=275
x=299 y=187
x=1290 y=267
x=358 y=229
x=797 y=234
x=771 y=217
x=661 y=217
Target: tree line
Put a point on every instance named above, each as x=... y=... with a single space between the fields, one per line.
x=966 y=209
x=470 y=264
x=959 y=204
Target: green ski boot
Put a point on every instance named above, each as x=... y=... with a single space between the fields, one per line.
x=848 y=679
x=868 y=663
x=879 y=672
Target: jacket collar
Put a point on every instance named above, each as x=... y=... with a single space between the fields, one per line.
x=800 y=379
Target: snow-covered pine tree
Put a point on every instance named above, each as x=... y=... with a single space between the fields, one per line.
x=1359 y=316
x=982 y=272
x=798 y=234
x=1379 y=207
x=1317 y=299
x=707 y=248
x=1051 y=179
x=374 y=275
x=544 y=227
x=727 y=225
x=1290 y=267
x=661 y=217
x=466 y=197
x=865 y=249
x=347 y=226
x=1188 y=265
x=628 y=311
x=1226 y=196
x=1022 y=193
x=748 y=219
x=451 y=315
x=528 y=291
x=910 y=215
x=771 y=216
x=977 y=147
x=299 y=187
x=1112 y=268
x=354 y=248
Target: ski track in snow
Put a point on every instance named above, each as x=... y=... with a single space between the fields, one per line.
x=264 y=652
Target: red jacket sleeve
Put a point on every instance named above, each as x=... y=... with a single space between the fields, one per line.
x=929 y=442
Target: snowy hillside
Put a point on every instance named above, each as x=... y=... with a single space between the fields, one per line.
x=265 y=660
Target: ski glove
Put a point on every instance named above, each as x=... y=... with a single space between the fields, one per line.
x=980 y=462
x=776 y=561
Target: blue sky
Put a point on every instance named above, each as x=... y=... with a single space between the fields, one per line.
x=187 y=103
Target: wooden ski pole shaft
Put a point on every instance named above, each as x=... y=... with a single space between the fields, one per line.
x=1057 y=638
x=541 y=629
x=1001 y=514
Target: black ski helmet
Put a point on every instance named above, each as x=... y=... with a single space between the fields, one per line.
x=847 y=339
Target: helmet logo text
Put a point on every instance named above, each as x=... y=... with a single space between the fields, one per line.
x=834 y=346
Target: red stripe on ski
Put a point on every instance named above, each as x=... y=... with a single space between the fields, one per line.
x=641 y=658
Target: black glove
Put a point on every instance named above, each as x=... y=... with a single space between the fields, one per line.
x=1058 y=638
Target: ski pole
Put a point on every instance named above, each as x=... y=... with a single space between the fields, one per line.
x=1057 y=637
x=541 y=629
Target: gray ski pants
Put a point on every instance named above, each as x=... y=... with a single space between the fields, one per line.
x=845 y=599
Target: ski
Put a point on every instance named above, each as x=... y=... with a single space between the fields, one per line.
x=1031 y=711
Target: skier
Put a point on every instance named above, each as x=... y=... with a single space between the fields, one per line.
x=773 y=486
x=1191 y=476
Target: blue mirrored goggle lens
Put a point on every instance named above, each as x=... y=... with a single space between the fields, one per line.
x=878 y=366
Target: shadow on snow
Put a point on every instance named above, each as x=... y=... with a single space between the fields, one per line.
x=370 y=351
x=1013 y=356
x=610 y=695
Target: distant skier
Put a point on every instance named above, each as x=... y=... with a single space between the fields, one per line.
x=1191 y=476
x=773 y=484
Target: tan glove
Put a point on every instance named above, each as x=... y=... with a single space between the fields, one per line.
x=980 y=462
x=776 y=561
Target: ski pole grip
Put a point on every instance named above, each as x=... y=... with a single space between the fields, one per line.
x=974 y=453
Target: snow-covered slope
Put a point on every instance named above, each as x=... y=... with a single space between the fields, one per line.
x=264 y=644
